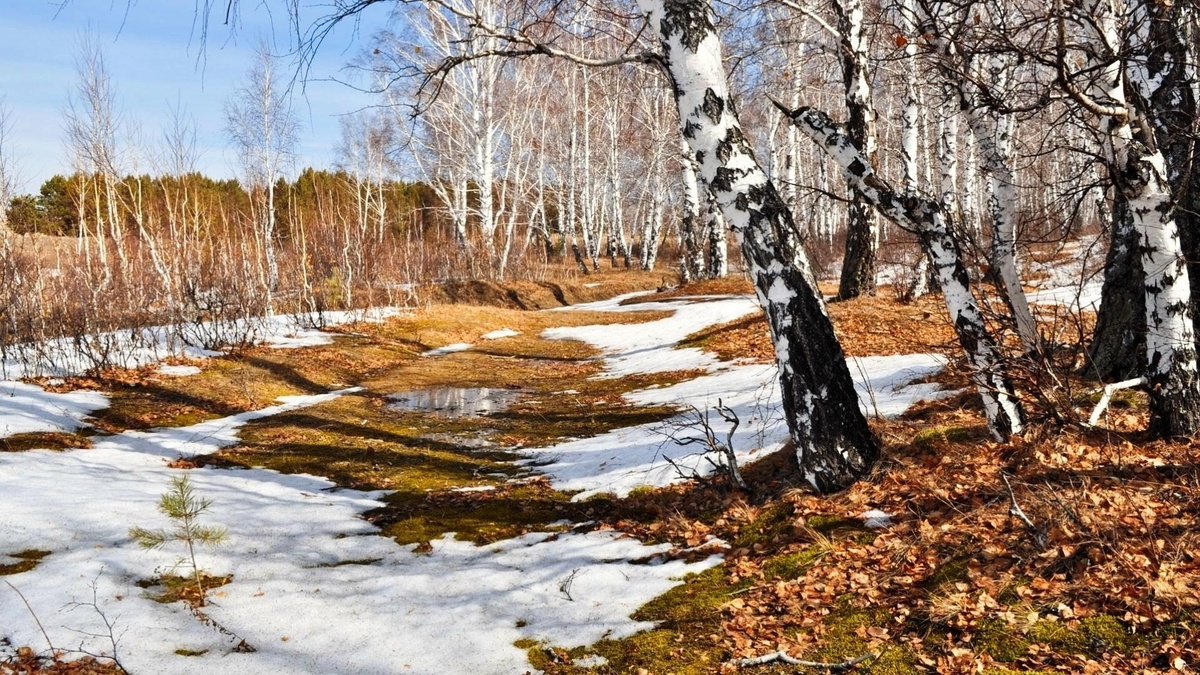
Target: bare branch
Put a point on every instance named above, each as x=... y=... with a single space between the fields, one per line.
x=1014 y=509
x=782 y=657
x=31 y=613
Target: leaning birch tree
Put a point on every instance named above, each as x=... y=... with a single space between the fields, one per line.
x=834 y=446
x=926 y=218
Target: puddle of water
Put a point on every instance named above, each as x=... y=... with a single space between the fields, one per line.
x=452 y=402
x=476 y=441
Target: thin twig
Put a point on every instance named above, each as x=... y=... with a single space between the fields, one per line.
x=32 y=613
x=1039 y=537
x=109 y=633
x=565 y=586
x=782 y=657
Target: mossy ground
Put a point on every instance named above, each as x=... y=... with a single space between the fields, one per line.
x=685 y=640
x=53 y=440
x=168 y=588
x=25 y=561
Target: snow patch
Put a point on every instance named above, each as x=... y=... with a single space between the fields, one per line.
x=26 y=408
x=650 y=347
x=502 y=333
x=448 y=349
x=177 y=371
x=624 y=459
x=876 y=519
x=315 y=590
x=135 y=348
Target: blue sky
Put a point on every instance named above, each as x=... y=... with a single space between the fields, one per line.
x=153 y=58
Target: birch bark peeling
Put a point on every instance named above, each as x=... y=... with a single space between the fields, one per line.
x=834 y=446
x=925 y=217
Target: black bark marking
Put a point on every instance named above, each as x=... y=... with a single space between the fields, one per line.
x=834 y=444
x=690 y=20
x=713 y=106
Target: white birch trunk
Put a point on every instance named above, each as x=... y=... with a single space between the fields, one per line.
x=692 y=259
x=834 y=446
x=1140 y=174
x=925 y=218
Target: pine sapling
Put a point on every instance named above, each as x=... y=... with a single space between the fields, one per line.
x=183 y=507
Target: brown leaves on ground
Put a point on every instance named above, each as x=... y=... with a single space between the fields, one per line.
x=866 y=326
x=1109 y=582
x=26 y=662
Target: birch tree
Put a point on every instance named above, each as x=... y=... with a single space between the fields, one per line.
x=976 y=86
x=93 y=125
x=862 y=227
x=834 y=446
x=926 y=218
x=1120 y=91
x=264 y=131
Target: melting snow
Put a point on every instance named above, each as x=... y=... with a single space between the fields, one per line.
x=25 y=408
x=314 y=590
x=876 y=519
x=178 y=371
x=632 y=349
x=502 y=333
x=448 y=349
x=1073 y=278
x=624 y=459
x=132 y=349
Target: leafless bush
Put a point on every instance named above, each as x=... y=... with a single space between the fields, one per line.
x=694 y=428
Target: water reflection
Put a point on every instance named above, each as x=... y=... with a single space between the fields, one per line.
x=454 y=402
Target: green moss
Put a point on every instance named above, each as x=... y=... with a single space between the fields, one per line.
x=841 y=642
x=688 y=616
x=893 y=661
x=659 y=651
x=1121 y=398
x=793 y=565
x=642 y=491
x=827 y=524
x=170 y=588
x=933 y=436
x=1093 y=635
x=601 y=497
x=26 y=560
x=772 y=523
x=44 y=440
x=479 y=517
x=1008 y=594
x=698 y=599
x=952 y=571
x=997 y=639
